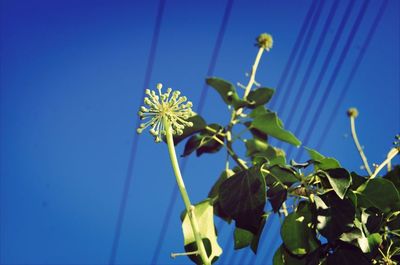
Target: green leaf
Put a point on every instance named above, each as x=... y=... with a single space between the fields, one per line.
x=322 y=162
x=283 y=257
x=379 y=193
x=346 y=254
x=278 y=178
x=255 y=146
x=205 y=219
x=242 y=238
x=270 y=124
x=198 y=125
x=215 y=188
x=260 y=96
x=314 y=155
x=297 y=235
x=204 y=142
x=340 y=180
x=370 y=243
x=334 y=215
x=242 y=197
x=227 y=91
x=394 y=176
x=372 y=218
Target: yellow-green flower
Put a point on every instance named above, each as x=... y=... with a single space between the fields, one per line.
x=265 y=41
x=165 y=108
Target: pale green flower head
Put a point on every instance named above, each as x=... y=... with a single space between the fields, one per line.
x=265 y=41
x=170 y=107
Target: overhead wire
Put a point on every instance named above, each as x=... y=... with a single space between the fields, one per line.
x=174 y=194
x=132 y=156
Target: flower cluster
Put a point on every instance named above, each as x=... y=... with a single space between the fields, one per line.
x=165 y=109
x=265 y=41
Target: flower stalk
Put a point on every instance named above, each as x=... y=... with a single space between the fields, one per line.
x=184 y=194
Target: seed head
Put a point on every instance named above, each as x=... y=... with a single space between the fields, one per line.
x=170 y=106
x=352 y=112
x=265 y=41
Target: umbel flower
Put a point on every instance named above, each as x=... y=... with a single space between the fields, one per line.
x=165 y=111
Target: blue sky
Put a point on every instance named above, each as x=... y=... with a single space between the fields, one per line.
x=72 y=76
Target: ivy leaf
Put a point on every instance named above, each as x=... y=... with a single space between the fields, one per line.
x=242 y=238
x=283 y=257
x=340 y=180
x=379 y=193
x=369 y=243
x=372 y=218
x=254 y=146
x=278 y=178
x=198 y=125
x=322 y=162
x=394 y=176
x=204 y=142
x=227 y=91
x=334 y=215
x=215 y=188
x=205 y=218
x=347 y=254
x=242 y=197
x=297 y=235
x=270 y=124
x=260 y=96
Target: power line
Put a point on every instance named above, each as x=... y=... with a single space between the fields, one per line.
x=293 y=53
x=352 y=74
x=210 y=71
x=333 y=78
x=303 y=51
x=311 y=64
x=132 y=156
x=323 y=71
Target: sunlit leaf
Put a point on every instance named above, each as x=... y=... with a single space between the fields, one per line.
x=260 y=96
x=205 y=219
x=227 y=91
x=270 y=124
x=297 y=235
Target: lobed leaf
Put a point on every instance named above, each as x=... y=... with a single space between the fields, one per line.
x=270 y=124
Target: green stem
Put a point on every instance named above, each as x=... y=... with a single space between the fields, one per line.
x=184 y=194
x=253 y=73
x=358 y=146
x=393 y=152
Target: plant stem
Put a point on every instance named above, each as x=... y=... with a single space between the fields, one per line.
x=231 y=153
x=358 y=146
x=393 y=152
x=253 y=73
x=184 y=194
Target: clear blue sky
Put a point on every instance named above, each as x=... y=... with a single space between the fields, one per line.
x=72 y=75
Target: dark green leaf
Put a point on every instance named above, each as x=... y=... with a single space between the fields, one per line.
x=283 y=257
x=205 y=219
x=279 y=174
x=372 y=218
x=322 y=162
x=394 y=176
x=227 y=91
x=260 y=96
x=215 y=188
x=257 y=236
x=242 y=238
x=198 y=125
x=276 y=196
x=379 y=193
x=297 y=235
x=270 y=124
x=357 y=180
x=346 y=254
x=334 y=215
x=340 y=180
x=242 y=197
x=370 y=243
x=192 y=144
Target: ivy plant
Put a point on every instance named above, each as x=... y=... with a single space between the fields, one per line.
x=330 y=215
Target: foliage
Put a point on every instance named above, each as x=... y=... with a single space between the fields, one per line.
x=334 y=216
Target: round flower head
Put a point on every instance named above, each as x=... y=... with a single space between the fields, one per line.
x=169 y=106
x=265 y=41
